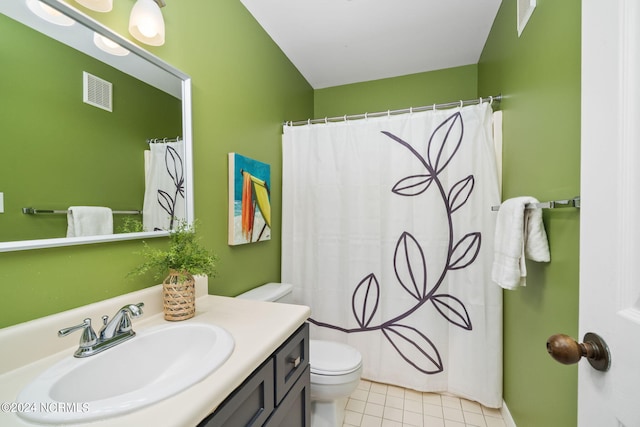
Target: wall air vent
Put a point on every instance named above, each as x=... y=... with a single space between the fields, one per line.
x=97 y=92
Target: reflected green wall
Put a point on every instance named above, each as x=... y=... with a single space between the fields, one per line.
x=62 y=151
x=539 y=76
x=243 y=88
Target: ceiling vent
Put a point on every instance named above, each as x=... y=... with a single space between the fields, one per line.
x=97 y=92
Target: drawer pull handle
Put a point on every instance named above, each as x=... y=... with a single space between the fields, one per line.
x=295 y=361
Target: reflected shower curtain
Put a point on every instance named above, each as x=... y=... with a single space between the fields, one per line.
x=164 y=201
x=387 y=234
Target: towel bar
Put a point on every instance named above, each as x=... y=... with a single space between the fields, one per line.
x=32 y=211
x=552 y=204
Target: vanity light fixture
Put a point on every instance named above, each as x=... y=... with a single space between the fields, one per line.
x=97 y=5
x=146 y=23
x=109 y=45
x=49 y=14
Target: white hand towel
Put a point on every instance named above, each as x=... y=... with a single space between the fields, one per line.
x=89 y=221
x=519 y=233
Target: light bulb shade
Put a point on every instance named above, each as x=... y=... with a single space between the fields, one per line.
x=108 y=45
x=49 y=14
x=97 y=5
x=146 y=23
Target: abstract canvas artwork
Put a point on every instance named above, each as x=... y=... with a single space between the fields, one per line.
x=249 y=200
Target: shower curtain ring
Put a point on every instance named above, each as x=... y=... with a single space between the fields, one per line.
x=461 y=103
x=490 y=100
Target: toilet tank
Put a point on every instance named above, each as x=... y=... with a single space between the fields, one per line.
x=274 y=292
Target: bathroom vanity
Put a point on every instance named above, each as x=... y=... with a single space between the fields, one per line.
x=276 y=394
x=266 y=377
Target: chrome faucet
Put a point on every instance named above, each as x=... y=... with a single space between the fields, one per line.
x=112 y=333
x=121 y=322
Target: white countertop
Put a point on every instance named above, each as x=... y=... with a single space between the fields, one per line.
x=258 y=329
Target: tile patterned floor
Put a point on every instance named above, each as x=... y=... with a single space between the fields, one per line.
x=380 y=405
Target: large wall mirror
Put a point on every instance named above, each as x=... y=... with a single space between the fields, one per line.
x=64 y=146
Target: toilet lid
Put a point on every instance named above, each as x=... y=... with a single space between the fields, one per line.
x=333 y=358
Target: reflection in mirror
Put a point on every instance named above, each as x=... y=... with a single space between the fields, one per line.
x=67 y=148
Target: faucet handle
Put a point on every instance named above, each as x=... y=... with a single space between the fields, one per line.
x=88 y=337
x=129 y=311
x=125 y=323
x=136 y=309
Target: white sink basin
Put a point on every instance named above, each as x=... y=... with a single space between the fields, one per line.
x=157 y=363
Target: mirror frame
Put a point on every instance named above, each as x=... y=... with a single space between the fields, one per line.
x=93 y=25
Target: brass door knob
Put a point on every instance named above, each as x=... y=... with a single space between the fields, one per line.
x=566 y=350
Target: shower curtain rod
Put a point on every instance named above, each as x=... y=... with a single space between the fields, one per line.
x=490 y=99
x=163 y=140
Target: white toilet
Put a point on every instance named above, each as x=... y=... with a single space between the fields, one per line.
x=335 y=367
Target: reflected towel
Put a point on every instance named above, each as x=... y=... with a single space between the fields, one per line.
x=89 y=221
x=519 y=233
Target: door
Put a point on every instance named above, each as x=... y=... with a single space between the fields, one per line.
x=610 y=212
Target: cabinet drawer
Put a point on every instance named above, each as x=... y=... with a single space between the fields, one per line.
x=251 y=403
x=291 y=359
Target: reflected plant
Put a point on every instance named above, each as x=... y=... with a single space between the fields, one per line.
x=410 y=263
x=131 y=225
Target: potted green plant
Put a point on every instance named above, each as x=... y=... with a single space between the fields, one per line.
x=184 y=258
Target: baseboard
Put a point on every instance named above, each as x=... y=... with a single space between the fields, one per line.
x=506 y=416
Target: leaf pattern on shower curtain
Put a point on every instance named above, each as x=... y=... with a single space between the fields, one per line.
x=412 y=185
x=409 y=340
x=410 y=263
x=365 y=300
x=453 y=310
x=465 y=251
x=460 y=192
x=410 y=266
x=445 y=142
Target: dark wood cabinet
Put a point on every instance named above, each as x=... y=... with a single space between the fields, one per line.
x=294 y=409
x=277 y=394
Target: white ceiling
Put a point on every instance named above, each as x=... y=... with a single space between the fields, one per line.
x=336 y=42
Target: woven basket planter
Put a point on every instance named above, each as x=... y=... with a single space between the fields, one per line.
x=179 y=296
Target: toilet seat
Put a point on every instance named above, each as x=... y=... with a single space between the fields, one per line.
x=328 y=358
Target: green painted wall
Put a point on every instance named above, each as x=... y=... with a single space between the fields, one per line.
x=95 y=158
x=243 y=88
x=539 y=77
x=414 y=90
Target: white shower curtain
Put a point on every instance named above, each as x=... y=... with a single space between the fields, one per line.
x=164 y=201
x=387 y=235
